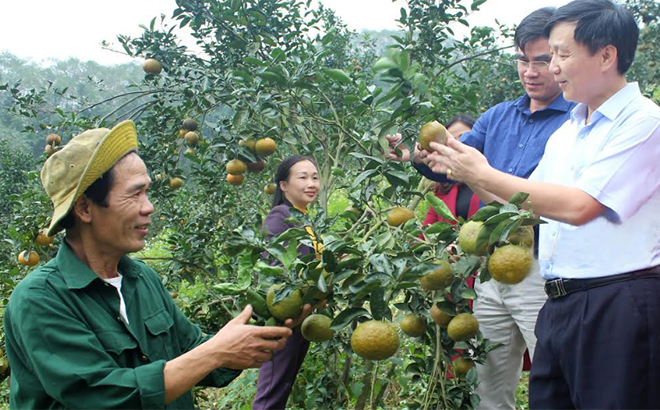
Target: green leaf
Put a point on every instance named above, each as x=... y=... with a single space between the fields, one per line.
x=518 y=198
x=439 y=227
x=398 y=178
x=381 y=263
x=267 y=270
x=377 y=304
x=493 y=220
x=485 y=213
x=338 y=75
x=440 y=207
x=384 y=63
x=364 y=175
x=346 y=317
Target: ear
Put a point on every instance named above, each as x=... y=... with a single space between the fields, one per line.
x=283 y=186
x=609 y=57
x=82 y=209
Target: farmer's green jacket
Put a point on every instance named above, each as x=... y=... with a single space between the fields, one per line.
x=68 y=346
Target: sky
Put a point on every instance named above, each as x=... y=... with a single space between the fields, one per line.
x=43 y=30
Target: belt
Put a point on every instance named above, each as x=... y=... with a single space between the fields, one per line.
x=557 y=288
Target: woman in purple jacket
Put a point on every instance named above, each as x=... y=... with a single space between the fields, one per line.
x=297 y=185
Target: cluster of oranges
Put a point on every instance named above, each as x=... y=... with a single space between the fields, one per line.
x=236 y=168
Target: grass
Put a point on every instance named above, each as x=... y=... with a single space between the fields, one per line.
x=522 y=392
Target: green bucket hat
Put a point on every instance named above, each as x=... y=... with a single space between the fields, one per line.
x=68 y=173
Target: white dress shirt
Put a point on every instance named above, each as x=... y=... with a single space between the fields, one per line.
x=615 y=159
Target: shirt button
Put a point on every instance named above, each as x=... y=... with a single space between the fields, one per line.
x=520 y=145
x=510 y=169
x=118 y=318
x=144 y=358
x=531 y=120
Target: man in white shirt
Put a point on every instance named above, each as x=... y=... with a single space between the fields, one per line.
x=598 y=187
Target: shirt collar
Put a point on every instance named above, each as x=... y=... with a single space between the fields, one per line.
x=77 y=275
x=558 y=104
x=611 y=108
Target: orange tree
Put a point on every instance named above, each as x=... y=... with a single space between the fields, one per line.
x=296 y=75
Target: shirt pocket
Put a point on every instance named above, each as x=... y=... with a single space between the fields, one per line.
x=121 y=346
x=159 y=330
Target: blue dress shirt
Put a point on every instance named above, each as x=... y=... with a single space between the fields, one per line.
x=511 y=136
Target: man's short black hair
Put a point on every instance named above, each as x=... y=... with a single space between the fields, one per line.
x=97 y=193
x=532 y=27
x=601 y=23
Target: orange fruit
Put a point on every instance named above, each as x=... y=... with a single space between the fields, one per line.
x=250 y=143
x=152 y=66
x=269 y=189
x=43 y=239
x=235 y=167
x=235 y=179
x=28 y=258
x=54 y=139
x=176 y=183
x=192 y=139
x=265 y=146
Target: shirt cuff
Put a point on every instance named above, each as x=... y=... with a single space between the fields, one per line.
x=151 y=384
x=425 y=171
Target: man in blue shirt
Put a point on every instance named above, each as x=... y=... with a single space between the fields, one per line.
x=512 y=135
x=598 y=187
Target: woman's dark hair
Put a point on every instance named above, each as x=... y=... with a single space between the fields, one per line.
x=601 y=23
x=284 y=172
x=466 y=119
x=532 y=27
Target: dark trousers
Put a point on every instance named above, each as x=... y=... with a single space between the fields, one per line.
x=599 y=349
x=277 y=376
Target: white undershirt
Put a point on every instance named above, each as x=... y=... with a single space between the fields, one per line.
x=116 y=282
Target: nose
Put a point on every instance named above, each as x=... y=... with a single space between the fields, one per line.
x=147 y=207
x=553 y=67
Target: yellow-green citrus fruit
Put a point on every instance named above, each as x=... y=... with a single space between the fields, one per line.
x=176 y=183
x=432 y=131
x=440 y=317
x=269 y=189
x=236 y=167
x=510 y=264
x=375 y=340
x=152 y=66
x=192 y=139
x=523 y=236
x=413 y=325
x=461 y=366
x=440 y=278
x=53 y=139
x=250 y=143
x=265 y=146
x=399 y=216
x=463 y=326
x=467 y=238
x=49 y=150
x=287 y=308
x=316 y=328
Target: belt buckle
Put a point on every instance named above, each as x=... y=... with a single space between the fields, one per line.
x=555 y=288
